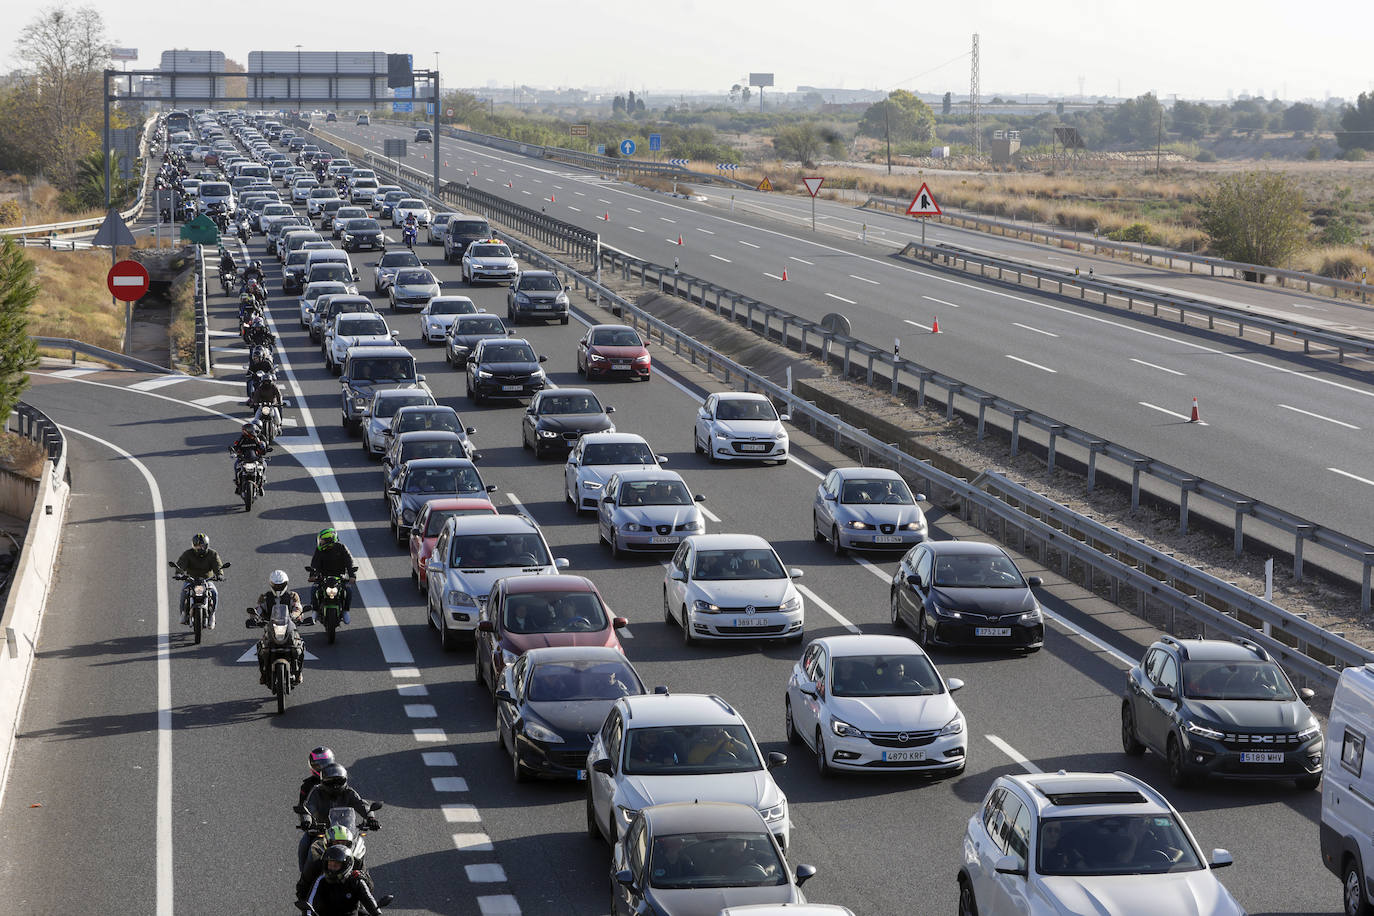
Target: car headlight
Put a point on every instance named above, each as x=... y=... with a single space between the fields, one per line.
x=843 y=729
x=548 y=434
x=775 y=813
x=791 y=604
x=561 y=299
x=914 y=526
x=706 y=607
x=1031 y=616
x=1309 y=732
x=537 y=374
x=522 y=299
x=459 y=348
x=642 y=359
x=590 y=485
x=1202 y=731
x=408 y=516
x=635 y=526
x=857 y=525
x=721 y=436
x=482 y=373
x=781 y=435
x=694 y=525
x=461 y=599
x=540 y=733
x=944 y=612
x=954 y=726
x=597 y=358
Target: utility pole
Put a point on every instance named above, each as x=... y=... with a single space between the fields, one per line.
x=1159 y=141
x=887 y=124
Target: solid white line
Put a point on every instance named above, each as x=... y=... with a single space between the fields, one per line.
x=719 y=258
x=842 y=299
x=917 y=324
x=633 y=210
x=1026 y=327
x=634 y=228
x=816 y=600
x=1153 y=366
x=707 y=231
x=750 y=244
x=1013 y=753
x=1317 y=416
x=1032 y=365
x=864 y=279
x=163 y=905
x=1178 y=416
x=515 y=501
x=801 y=261
x=771 y=276
x=709 y=514
x=1351 y=476
x=876 y=570
x=953 y=305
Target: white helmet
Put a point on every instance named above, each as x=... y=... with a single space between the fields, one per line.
x=278 y=581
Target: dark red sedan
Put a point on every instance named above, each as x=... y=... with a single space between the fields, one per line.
x=613 y=351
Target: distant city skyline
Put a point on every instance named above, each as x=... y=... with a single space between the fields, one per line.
x=1188 y=49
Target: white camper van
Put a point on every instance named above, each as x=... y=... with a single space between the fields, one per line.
x=1347 y=823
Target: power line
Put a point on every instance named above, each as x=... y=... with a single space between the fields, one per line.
x=952 y=60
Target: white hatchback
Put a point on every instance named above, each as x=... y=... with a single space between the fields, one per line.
x=740 y=426
x=732 y=586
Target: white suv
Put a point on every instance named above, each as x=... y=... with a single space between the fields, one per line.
x=658 y=748
x=1055 y=844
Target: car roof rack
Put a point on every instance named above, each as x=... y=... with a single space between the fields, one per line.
x=724 y=705
x=1178 y=646
x=1253 y=647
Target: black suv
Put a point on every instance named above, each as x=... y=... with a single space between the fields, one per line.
x=460 y=232
x=558 y=417
x=424 y=135
x=1210 y=706
x=503 y=368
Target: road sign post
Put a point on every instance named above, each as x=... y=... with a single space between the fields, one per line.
x=923 y=205
x=813 y=187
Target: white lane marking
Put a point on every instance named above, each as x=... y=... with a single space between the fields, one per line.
x=430 y=735
x=162 y=381
x=667 y=220
x=750 y=244
x=602 y=200
x=515 y=501
x=820 y=603
x=1014 y=754
x=579 y=194
x=472 y=842
x=634 y=228
x=421 y=711
x=864 y=279
x=709 y=514
x=1317 y=416
x=439 y=759
x=719 y=258
x=498 y=905
x=214 y=399
x=771 y=276
x=871 y=567
x=574 y=209
x=535 y=180
x=163 y=905
x=558 y=187
x=405 y=672
x=412 y=690
x=707 y=231
x=801 y=261
x=523 y=191
x=634 y=210
x=1351 y=476
x=72 y=373
x=449 y=784
x=842 y=299
x=673 y=241
x=1177 y=416
x=1026 y=327
x=489 y=873
x=1089 y=638
x=917 y=324
x=1032 y=365
x=1153 y=366
x=460 y=813
x=953 y=305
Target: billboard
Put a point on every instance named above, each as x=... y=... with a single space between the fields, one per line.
x=342 y=74
x=173 y=87
x=760 y=79
x=124 y=54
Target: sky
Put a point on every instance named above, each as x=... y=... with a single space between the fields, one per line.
x=1191 y=49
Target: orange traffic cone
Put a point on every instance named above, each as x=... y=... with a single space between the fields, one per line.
x=607 y=217
x=553 y=199
x=509 y=185
x=679 y=239
x=935 y=326
x=474 y=171
x=1194 y=418
x=784 y=273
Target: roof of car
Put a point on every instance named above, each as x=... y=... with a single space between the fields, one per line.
x=679 y=709
x=1065 y=793
x=428 y=435
x=870 y=473
x=579 y=391
x=869 y=643
x=561 y=583
x=388 y=393
x=446 y=503
x=1212 y=650
x=536 y=273
x=963 y=547
x=612 y=327
x=415 y=463
x=378 y=352
x=688 y=817
x=787 y=909
x=495 y=524
x=648 y=473
x=418 y=408
x=570 y=653
x=727 y=541
x=741 y=396
x=613 y=438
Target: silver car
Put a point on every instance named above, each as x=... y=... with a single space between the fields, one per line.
x=595 y=458
x=438 y=316
x=312 y=294
x=413 y=287
x=647 y=511
x=377 y=416
x=867 y=509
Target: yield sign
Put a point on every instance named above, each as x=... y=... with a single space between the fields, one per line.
x=128 y=281
x=766 y=185
x=813 y=185
x=923 y=204
x=114 y=231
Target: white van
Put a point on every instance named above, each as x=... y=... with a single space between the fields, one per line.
x=1347 y=821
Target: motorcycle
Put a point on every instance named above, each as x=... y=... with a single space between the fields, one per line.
x=410 y=235
x=202 y=598
x=330 y=594
x=227 y=279
x=250 y=480
x=268 y=418
x=279 y=632
x=243 y=231
x=347 y=818
x=308 y=910
x=259 y=335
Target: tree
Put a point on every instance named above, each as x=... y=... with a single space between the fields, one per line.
x=947 y=104
x=466 y=107
x=1357 y=124
x=618 y=105
x=19 y=289
x=1137 y=120
x=1190 y=119
x=639 y=103
x=734 y=94
x=1300 y=116
x=806 y=141
x=630 y=107
x=901 y=113
x=745 y=94
x=1256 y=218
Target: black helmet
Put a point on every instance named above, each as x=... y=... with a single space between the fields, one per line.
x=334 y=777
x=201 y=543
x=338 y=863
x=320 y=758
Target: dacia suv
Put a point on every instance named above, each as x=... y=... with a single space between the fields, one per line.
x=1215 y=707
x=536 y=294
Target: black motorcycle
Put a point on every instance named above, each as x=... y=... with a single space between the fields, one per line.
x=250 y=478
x=279 y=632
x=202 y=598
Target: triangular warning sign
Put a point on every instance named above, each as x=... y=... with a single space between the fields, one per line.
x=813 y=185
x=765 y=185
x=923 y=204
x=114 y=231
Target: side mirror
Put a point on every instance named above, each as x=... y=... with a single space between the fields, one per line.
x=299 y=809
x=491 y=488
x=920 y=497
x=172 y=563
x=250 y=624
x=469 y=430
x=661 y=690
x=504 y=696
x=661 y=459
x=776 y=760
x=307 y=621
x=603 y=766
x=626 y=878
x=610 y=410
x=1307 y=693
x=1163 y=692
x=543 y=359
x=914 y=580
x=227 y=565
x=486 y=626
x=608 y=500
x=375 y=806
x=677 y=575
x=619 y=623
x=829 y=496
x=387 y=433
x=434 y=565
x=646 y=344
x=699 y=498
x=1035 y=581
x=393 y=490
x=1010 y=865
x=385 y=900
x=784 y=417
x=795 y=573
x=561 y=563
x=1221 y=859
x=805 y=873
x=419 y=378
x=954 y=684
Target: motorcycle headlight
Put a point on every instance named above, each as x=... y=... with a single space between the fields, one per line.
x=954 y=726
x=360 y=402
x=460 y=599
x=791 y=604
x=857 y=525
x=843 y=729
x=540 y=733
x=1202 y=731
x=705 y=607
x=590 y=485
x=775 y=813
x=198 y=591
x=331 y=591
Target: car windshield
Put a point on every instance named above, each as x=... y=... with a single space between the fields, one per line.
x=1236 y=680
x=616 y=337
x=323 y=288
x=554 y=612
x=362 y=326
x=432 y=448
x=509 y=353
x=468 y=228
x=437 y=519
x=277 y=210
x=684 y=750
x=322 y=194
x=489 y=251
x=876 y=490
x=385 y=368
x=445 y=420
x=569 y=403
x=484 y=551
x=452 y=307
x=214 y=189
x=745 y=409
x=618 y=453
x=387 y=406
x=573 y=681
x=414 y=278
x=306 y=183
x=480 y=326
x=331 y=271
x=297 y=258
x=399 y=259
x=980 y=570
x=654 y=493
x=690 y=860
x=884 y=676
x=351 y=304
x=740 y=563
x=540 y=283
x=1115 y=844
x=409 y=203
x=362 y=225
x=459 y=479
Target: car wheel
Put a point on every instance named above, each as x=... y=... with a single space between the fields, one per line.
x=895 y=609
x=816 y=528
x=448 y=640
x=616 y=552
x=667 y=613
x=687 y=638
x=822 y=759
x=525 y=442
x=792 y=737
x=563 y=320
x=518 y=771
x=1179 y=776
x=1129 y=742
x=367 y=447
x=696 y=446
x=448 y=357
x=835 y=546
x=1356 y=900
x=968 y=906
x=593 y=831
x=922 y=630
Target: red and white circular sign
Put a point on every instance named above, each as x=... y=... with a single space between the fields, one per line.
x=128 y=281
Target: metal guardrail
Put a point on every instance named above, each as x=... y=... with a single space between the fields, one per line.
x=1022 y=273
x=1151 y=576
x=202 y=320
x=32 y=423
x=100 y=353
x=1136 y=252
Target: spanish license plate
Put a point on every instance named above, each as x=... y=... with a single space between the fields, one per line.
x=750 y=622
x=620 y=365
x=1261 y=757
x=510 y=387
x=664 y=540
x=886 y=539
x=992 y=631
x=581 y=775
x=543 y=305
x=903 y=756
x=752 y=447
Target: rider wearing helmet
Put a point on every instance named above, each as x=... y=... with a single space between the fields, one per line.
x=319 y=758
x=278 y=593
x=249 y=446
x=199 y=562
x=332 y=792
x=335 y=886
x=253 y=272
x=332 y=559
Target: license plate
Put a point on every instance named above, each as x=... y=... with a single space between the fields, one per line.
x=750 y=622
x=663 y=540
x=543 y=305
x=1261 y=757
x=992 y=631
x=621 y=365
x=581 y=775
x=903 y=756
x=887 y=539
x=510 y=387
x=753 y=447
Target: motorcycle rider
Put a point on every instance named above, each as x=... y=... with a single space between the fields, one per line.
x=340 y=889
x=332 y=792
x=332 y=559
x=278 y=593
x=200 y=562
x=227 y=267
x=249 y=446
x=265 y=393
x=319 y=849
x=319 y=758
x=412 y=228
x=253 y=272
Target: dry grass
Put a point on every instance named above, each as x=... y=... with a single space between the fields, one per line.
x=75 y=301
x=38 y=201
x=21 y=455
x=182 y=329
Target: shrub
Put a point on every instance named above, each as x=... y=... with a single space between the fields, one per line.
x=1354 y=154
x=11 y=214
x=1205 y=155
x=1138 y=233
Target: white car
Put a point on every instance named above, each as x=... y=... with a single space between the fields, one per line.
x=362 y=190
x=317 y=199
x=740 y=426
x=300 y=191
x=409 y=206
x=439 y=314
x=647 y=510
x=659 y=748
x=489 y=260
x=872 y=702
x=593 y=460
x=732 y=586
x=437 y=226
x=354 y=329
x=313 y=291
x=1061 y=844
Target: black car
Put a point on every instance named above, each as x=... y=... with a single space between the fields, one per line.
x=537 y=295
x=330 y=117
x=1214 y=707
x=460 y=232
x=424 y=135
x=503 y=368
x=551 y=700
x=558 y=417
x=464 y=334
x=966 y=593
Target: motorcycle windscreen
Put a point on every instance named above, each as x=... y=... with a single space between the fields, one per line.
x=279 y=625
x=343 y=816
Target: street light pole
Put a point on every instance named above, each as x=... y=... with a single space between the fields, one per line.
x=887 y=125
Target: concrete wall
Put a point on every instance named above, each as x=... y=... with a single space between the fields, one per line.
x=17 y=494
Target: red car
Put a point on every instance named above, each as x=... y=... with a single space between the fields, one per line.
x=613 y=351
x=530 y=612
x=430 y=521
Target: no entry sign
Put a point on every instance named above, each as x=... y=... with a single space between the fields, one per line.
x=128 y=281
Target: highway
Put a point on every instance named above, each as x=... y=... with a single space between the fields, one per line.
x=1286 y=428
x=184 y=745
